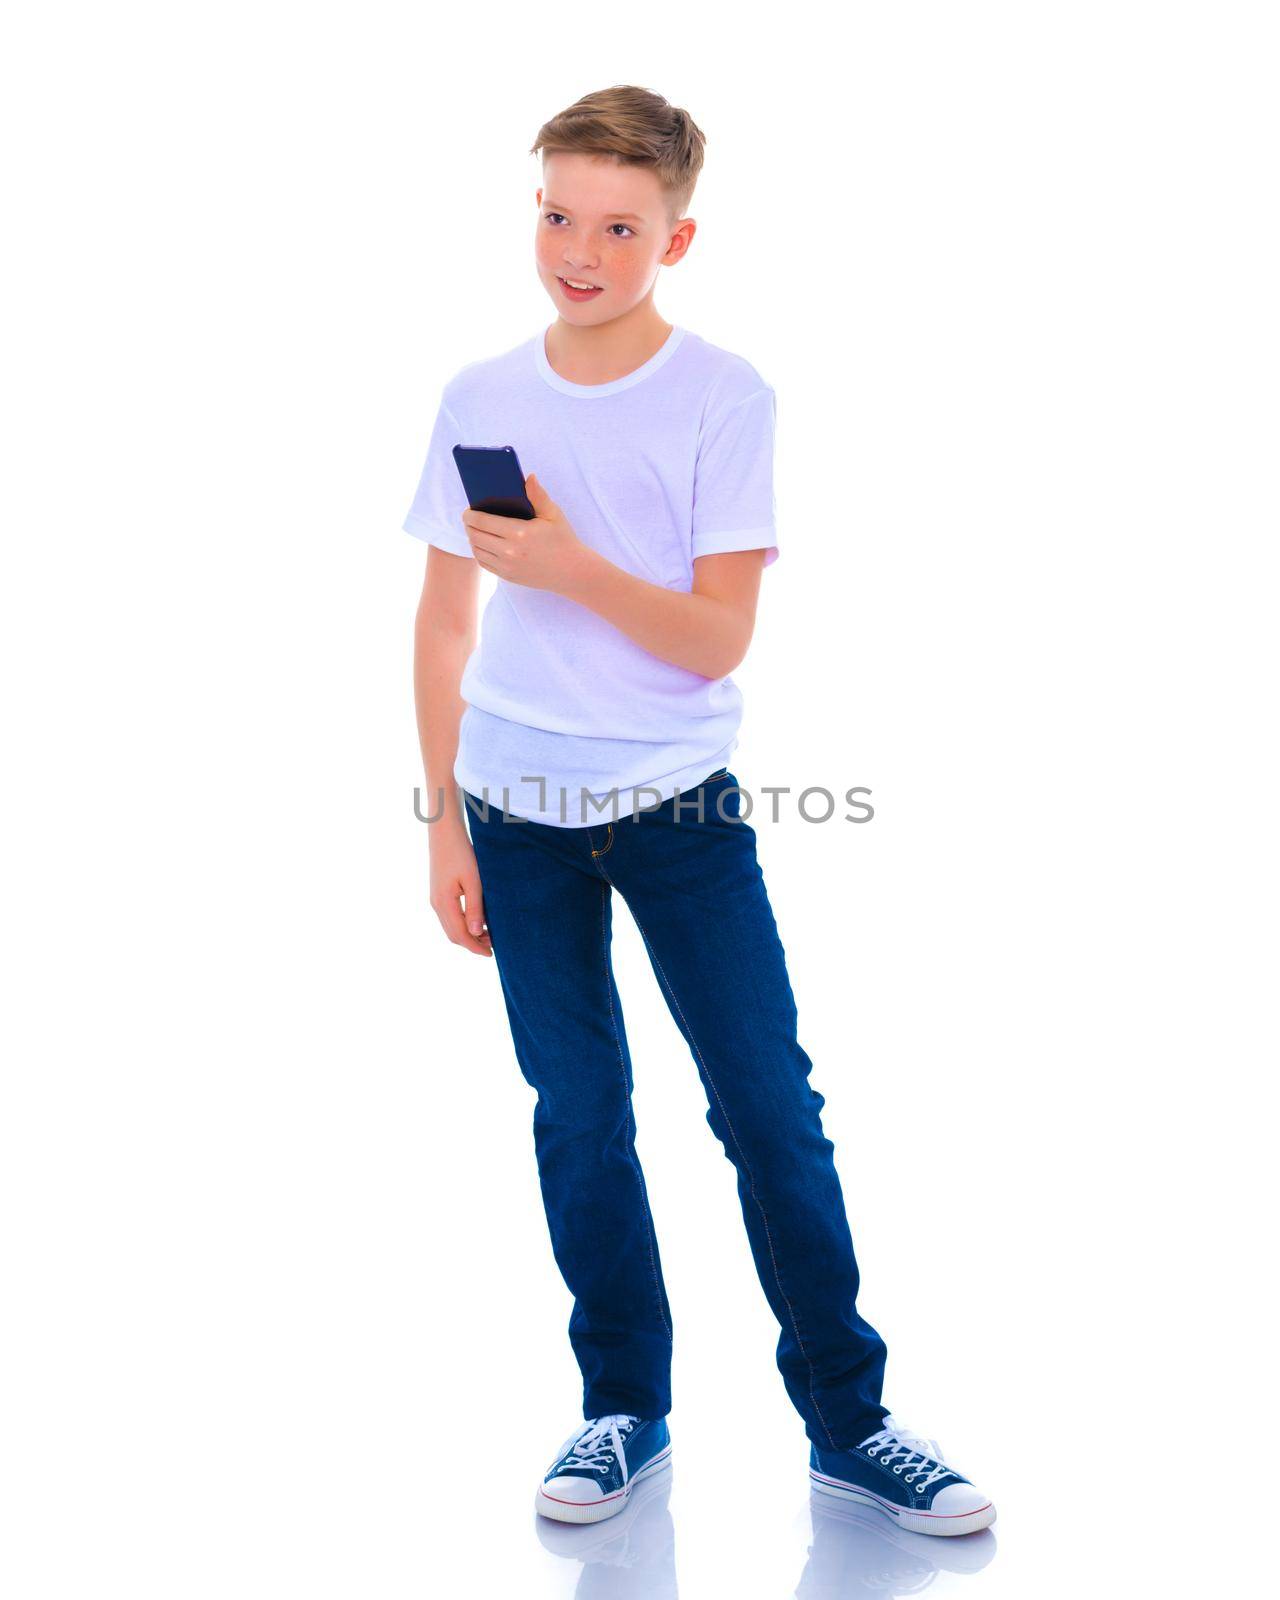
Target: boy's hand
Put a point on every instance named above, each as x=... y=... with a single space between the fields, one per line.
x=543 y=554
x=456 y=897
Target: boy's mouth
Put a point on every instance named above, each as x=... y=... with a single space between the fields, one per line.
x=571 y=289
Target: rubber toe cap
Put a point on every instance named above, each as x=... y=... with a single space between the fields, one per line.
x=574 y=1489
x=958 y=1500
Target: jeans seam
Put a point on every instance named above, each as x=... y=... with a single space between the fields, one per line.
x=631 y=1121
x=777 y=1276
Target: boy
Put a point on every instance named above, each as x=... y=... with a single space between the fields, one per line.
x=590 y=732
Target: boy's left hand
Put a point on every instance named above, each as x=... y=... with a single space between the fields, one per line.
x=542 y=554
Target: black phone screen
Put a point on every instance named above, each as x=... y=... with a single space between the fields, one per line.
x=493 y=480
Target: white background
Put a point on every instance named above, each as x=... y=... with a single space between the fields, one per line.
x=282 y=1316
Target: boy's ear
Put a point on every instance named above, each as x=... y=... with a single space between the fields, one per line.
x=681 y=238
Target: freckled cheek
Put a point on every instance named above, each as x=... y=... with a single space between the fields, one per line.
x=622 y=272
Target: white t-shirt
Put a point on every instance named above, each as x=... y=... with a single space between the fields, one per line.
x=670 y=462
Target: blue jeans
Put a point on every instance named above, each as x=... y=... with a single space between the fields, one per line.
x=695 y=889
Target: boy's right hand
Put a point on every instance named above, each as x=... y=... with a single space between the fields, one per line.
x=455 y=891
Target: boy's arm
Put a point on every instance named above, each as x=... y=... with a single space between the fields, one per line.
x=706 y=629
x=443 y=637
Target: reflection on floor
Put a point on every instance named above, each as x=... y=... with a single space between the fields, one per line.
x=854 y=1550
x=630 y=1555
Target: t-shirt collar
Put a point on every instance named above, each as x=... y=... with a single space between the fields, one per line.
x=596 y=391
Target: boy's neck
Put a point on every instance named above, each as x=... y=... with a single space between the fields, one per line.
x=605 y=351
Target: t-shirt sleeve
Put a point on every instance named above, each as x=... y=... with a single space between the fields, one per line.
x=733 y=500
x=436 y=513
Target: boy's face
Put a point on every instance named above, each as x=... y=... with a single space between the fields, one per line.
x=606 y=224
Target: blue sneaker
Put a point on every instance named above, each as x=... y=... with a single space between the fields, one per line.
x=903 y=1475
x=599 y=1464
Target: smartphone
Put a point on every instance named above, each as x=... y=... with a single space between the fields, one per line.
x=493 y=480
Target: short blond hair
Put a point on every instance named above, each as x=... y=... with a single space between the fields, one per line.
x=638 y=129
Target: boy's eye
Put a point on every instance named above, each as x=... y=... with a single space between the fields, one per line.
x=558 y=216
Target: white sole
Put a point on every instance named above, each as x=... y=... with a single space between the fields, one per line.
x=547 y=1505
x=913 y=1521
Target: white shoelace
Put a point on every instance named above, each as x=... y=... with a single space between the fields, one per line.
x=895 y=1439
x=598 y=1443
